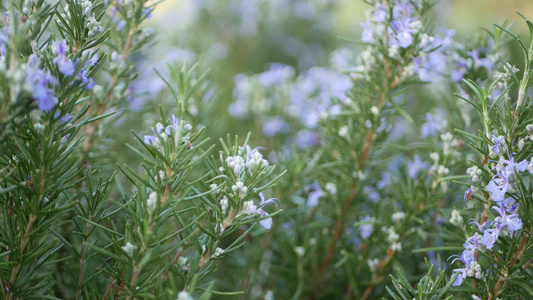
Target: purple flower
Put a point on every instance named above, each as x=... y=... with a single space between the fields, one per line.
x=500 y=184
x=497 y=143
x=277 y=74
x=368 y=32
x=403 y=36
x=60 y=50
x=93 y=60
x=306 y=139
x=497 y=189
x=415 y=166
x=380 y=14
x=120 y=23
x=312 y=199
x=491 y=235
x=480 y=62
x=384 y=181
x=238 y=109
x=147 y=12
x=460 y=277
x=150 y=139
x=431 y=127
x=366 y=228
x=460 y=71
x=83 y=76
x=266 y=223
x=4 y=38
x=472 y=243
x=62 y=119
x=512 y=221
x=275 y=125
x=39 y=82
x=371 y=193
x=462 y=273
x=469 y=194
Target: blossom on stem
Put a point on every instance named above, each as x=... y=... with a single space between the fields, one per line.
x=60 y=50
x=252 y=209
x=39 y=82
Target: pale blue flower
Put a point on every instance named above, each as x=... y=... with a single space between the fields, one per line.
x=368 y=32
x=497 y=143
x=275 y=125
x=431 y=127
x=416 y=165
x=366 y=228
x=512 y=221
x=60 y=50
x=266 y=223
x=40 y=82
x=312 y=199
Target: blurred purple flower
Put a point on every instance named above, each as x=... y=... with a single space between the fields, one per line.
x=371 y=193
x=416 y=165
x=83 y=76
x=368 y=32
x=480 y=62
x=366 y=229
x=380 y=14
x=275 y=125
x=306 y=139
x=277 y=73
x=312 y=199
x=431 y=127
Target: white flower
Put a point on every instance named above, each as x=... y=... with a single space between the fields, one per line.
x=239 y=186
x=331 y=188
x=129 y=248
x=396 y=247
x=442 y=170
x=372 y=264
x=392 y=236
x=218 y=252
x=475 y=172
x=182 y=262
x=343 y=131
x=162 y=175
x=236 y=163
x=521 y=144
x=456 y=219
x=224 y=204
x=151 y=203
x=184 y=295
x=269 y=295
x=398 y=216
x=300 y=251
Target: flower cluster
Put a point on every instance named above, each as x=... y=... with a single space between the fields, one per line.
x=500 y=188
x=176 y=130
x=286 y=103
x=41 y=83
